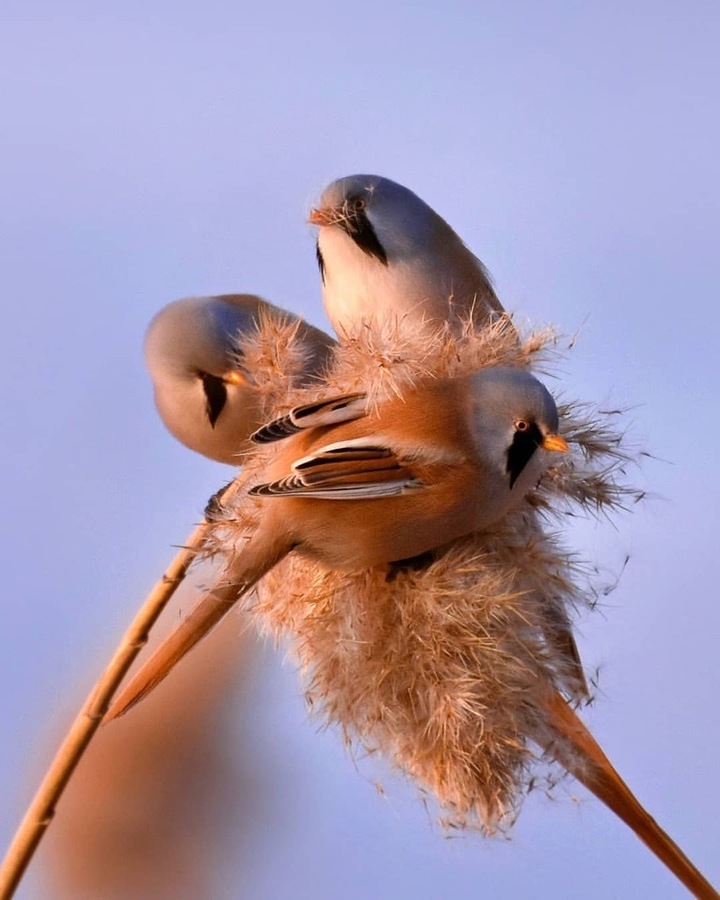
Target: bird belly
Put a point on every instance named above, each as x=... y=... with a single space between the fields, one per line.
x=352 y=535
x=358 y=289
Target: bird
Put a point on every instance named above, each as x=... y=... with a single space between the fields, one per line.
x=386 y=256
x=355 y=484
x=205 y=390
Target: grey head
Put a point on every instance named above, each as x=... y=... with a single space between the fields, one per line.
x=384 y=219
x=516 y=422
x=204 y=391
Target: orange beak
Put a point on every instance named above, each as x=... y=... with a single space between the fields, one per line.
x=322 y=216
x=555 y=443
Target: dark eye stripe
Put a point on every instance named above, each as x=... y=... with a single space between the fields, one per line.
x=358 y=226
x=520 y=452
x=215 y=395
x=320 y=261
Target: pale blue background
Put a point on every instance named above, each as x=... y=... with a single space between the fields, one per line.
x=155 y=150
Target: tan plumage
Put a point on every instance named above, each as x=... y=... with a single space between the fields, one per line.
x=455 y=663
x=385 y=255
x=208 y=365
x=354 y=487
x=577 y=750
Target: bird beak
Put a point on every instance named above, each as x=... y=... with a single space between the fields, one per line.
x=555 y=442
x=326 y=216
x=234 y=377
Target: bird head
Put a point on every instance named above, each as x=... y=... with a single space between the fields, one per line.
x=384 y=220
x=516 y=421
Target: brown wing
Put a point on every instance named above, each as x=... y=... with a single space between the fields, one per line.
x=361 y=468
x=313 y=415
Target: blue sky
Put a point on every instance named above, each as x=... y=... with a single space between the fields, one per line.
x=154 y=150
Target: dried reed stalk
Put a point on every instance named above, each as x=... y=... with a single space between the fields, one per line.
x=41 y=811
x=276 y=358
x=163 y=804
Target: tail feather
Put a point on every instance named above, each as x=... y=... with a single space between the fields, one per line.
x=582 y=756
x=257 y=558
x=206 y=615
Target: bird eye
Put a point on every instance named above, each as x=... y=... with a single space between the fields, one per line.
x=359 y=204
x=522 y=425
